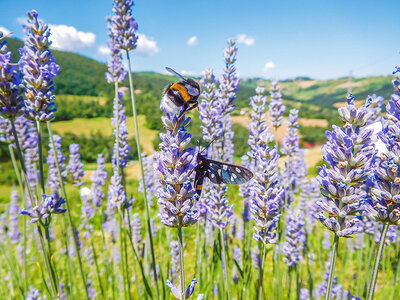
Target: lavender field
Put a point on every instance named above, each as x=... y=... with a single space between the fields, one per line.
x=195 y=218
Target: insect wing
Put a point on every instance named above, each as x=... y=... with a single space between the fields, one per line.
x=219 y=172
x=175 y=73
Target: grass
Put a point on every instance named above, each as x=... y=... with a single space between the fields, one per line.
x=102 y=125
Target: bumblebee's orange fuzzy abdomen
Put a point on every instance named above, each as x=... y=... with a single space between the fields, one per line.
x=182 y=91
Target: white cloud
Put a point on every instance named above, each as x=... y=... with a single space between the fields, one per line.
x=192 y=41
x=4 y=30
x=21 y=20
x=187 y=73
x=244 y=39
x=66 y=37
x=268 y=66
x=103 y=50
x=146 y=46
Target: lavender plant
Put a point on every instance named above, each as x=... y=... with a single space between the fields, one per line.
x=350 y=154
x=177 y=196
x=276 y=107
x=384 y=204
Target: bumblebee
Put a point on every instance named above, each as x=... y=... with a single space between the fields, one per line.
x=182 y=94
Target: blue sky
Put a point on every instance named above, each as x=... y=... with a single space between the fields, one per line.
x=320 y=39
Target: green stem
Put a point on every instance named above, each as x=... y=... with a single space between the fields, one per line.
x=39 y=132
x=378 y=258
x=225 y=264
x=116 y=114
x=18 y=174
x=181 y=258
x=71 y=223
x=332 y=267
x=32 y=197
x=139 y=151
x=289 y=283
x=260 y=284
x=97 y=269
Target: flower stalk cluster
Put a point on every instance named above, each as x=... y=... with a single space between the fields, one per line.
x=11 y=87
x=39 y=67
x=350 y=154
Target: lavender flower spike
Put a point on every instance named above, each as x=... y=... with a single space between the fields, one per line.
x=75 y=166
x=11 y=101
x=116 y=72
x=175 y=163
x=267 y=194
x=350 y=155
x=123 y=26
x=39 y=67
x=50 y=205
x=384 y=205
x=276 y=107
x=176 y=290
x=295 y=238
x=99 y=178
x=13 y=232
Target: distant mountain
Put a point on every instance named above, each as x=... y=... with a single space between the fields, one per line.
x=80 y=75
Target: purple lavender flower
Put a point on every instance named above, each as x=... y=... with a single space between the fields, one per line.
x=75 y=166
x=39 y=67
x=150 y=178
x=13 y=232
x=28 y=140
x=33 y=294
x=91 y=291
x=276 y=107
x=237 y=256
x=174 y=270
x=11 y=101
x=87 y=209
x=267 y=194
x=326 y=242
x=255 y=257
x=136 y=226
x=123 y=26
x=175 y=163
x=384 y=204
x=291 y=148
x=256 y=128
x=290 y=144
x=6 y=135
x=295 y=238
x=308 y=198
x=116 y=73
x=124 y=147
x=219 y=210
x=228 y=85
x=51 y=205
x=99 y=178
x=210 y=109
x=337 y=289
x=304 y=294
x=350 y=154
x=116 y=192
x=375 y=106
x=176 y=291
x=53 y=178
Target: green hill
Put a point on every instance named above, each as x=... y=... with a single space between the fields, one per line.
x=80 y=75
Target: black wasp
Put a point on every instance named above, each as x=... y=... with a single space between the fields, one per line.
x=182 y=94
x=219 y=172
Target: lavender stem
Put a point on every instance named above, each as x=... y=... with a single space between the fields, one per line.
x=139 y=151
x=332 y=266
x=181 y=257
x=260 y=287
x=371 y=289
x=224 y=264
